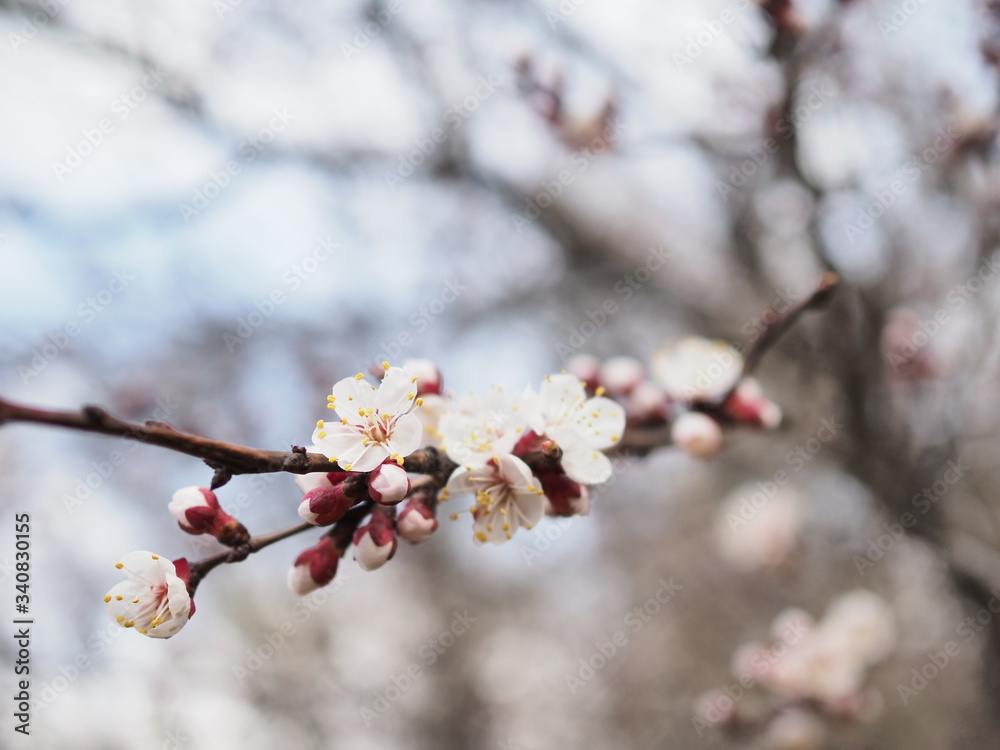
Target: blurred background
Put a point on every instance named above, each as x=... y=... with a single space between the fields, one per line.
x=212 y=211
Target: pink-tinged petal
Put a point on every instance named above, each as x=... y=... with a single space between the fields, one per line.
x=560 y=395
x=406 y=435
x=397 y=392
x=192 y=497
x=313 y=481
x=371 y=556
x=300 y=581
x=416 y=523
x=601 y=422
x=388 y=484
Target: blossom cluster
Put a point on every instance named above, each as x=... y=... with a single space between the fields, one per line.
x=401 y=445
x=820 y=665
x=696 y=387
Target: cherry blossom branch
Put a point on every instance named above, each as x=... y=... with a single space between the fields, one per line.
x=341 y=533
x=769 y=337
x=227 y=459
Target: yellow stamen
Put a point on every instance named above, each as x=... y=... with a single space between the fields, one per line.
x=385 y=365
x=119 y=566
x=600 y=390
x=359 y=376
x=107 y=598
x=319 y=425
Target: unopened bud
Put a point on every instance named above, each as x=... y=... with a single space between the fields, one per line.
x=315 y=567
x=622 y=375
x=429 y=379
x=197 y=511
x=697 y=434
x=375 y=542
x=416 y=523
x=388 y=484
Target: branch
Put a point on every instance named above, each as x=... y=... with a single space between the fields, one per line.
x=820 y=296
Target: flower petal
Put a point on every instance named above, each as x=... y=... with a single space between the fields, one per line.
x=581 y=462
x=350 y=396
x=560 y=395
x=600 y=421
x=405 y=437
x=397 y=392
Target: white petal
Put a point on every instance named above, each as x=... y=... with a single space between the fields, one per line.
x=341 y=443
x=147 y=567
x=352 y=395
x=406 y=435
x=581 y=462
x=397 y=392
x=369 y=458
x=515 y=472
x=600 y=421
x=560 y=395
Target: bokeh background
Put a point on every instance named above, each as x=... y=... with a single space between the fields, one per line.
x=465 y=180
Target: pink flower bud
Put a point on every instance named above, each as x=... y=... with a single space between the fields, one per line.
x=795 y=729
x=622 y=375
x=375 y=542
x=318 y=479
x=325 y=506
x=428 y=376
x=388 y=484
x=416 y=523
x=748 y=405
x=315 y=567
x=197 y=511
x=697 y=434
